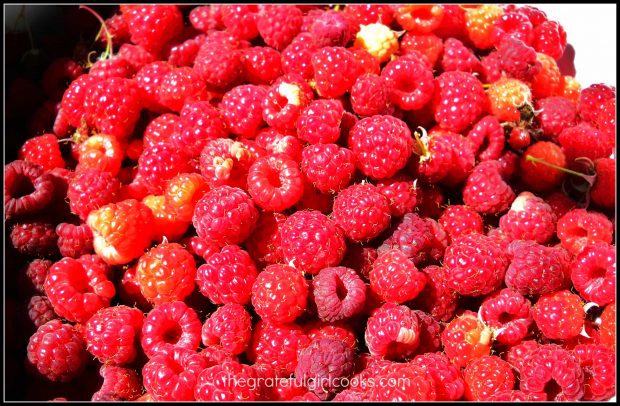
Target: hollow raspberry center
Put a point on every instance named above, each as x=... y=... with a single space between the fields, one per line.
x=552 y=389
x=341 y=290
x=175 y=367
x=21 y=186
x=172 y=334
x=579 y=232
x=598 y=272
x=273 y=177
x=79 y=281
x=505 y=318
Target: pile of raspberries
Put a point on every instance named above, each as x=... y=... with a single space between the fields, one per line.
x=310 y=203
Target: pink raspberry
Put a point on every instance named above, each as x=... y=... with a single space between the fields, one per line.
x=599 y=369
x=227 y=162
x=285 y=100
x=335 y=71
x=395 y=278
x=324 y=362
x=448 y=381
x=437 y=298
x=340 y=331
x=320 y=122
x=262 y=65
x=529 y=218
x=409 y=80
x=392 y=332
x=559 y=315
x=57 y=351
x=40 y=310
x=242 y=110
x=579 y=228
x=509 y=314
x=228 y=328
x=457 y=57
x=556 y=113
x=311 y=241
x=401 y=192
x=331 y=29
x=264 y=245
x=275 y=182
x=413 y=236
x=369 y=96
x=361 y=211
x=278 y=24
x=486 y=376
x=225 y=215
x=381 y=145
x=173 y=375
x=26 y=189
x=329 y=167
x=223 y=382
x=550 y=39
x=285 y=283
x=487 y=132
x=593 y=273
x=475 y=265
x=486 y=191
x=169 y=327
x=119 y=384
x=74 y=241
x=338 y=292
x=90 y=189
x=227 y=276
x=112 y=334
x=35 y=238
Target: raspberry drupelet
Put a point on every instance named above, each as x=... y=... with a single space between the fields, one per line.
x=285 y=283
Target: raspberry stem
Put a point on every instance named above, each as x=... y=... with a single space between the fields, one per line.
x=108 y=49
x=588 y=178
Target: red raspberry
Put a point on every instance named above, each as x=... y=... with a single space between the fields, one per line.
x=360 y=258
x=320 y=122
x=264 y=244
x=199 y=123
x=337 y=331
x=457 y=92
x=409 y=80
x=165 y=223
x=72 y=108
x=274 y=141
x=475 y=265
x=152 y=26
x=583 y=140
x=206 y=18
x=557 y=113
x=278 y=25
x=227 y=276
x=449 y=384
x=285 y=100
x=509 y=314
x=335 y=71
x=535 y=15
x=100 y=151
x=395 y=278
x=182 y=193
x=486 y=191
x=559 y=315
x=228 y=328
x=226 y=382
x=339 y=293
x=332 y=29
x=453 y=22
x=466 y=339
x=550 y=39
x=116 y=66
x=537 y=176
x=184 y=53
x=119 y=384
x=179 y=87
x=35 y=237
x=593 y=100
x=553 y=371
x=225 y=215
x=42 y=150
x=359 y=14
x=369 y=96
x=199 y=247
x=381 y=145
x=173 y=375
x=219 y=65
x=149 y=79
x=323 y=364
x=430 y=333
x=535 y=269
x=79 y=287
x=361 y=211
x=560 y=203
x=262 y=65
x=160 y=129
x=512 y=25
x=421 y=19
x=297 y=56
x=277 y=346
x=57 y=351
x=34 y=275
x=160 y=163
x=136 y=55
x=593 y=273
x=491 y=67
x=392 y=332
x=437 y=298
x=40 y=310
x=516 y=395
x=242 y=110
x=479 y=24
x=599 y=369
x=412 y=236
x=311 y=241
x=286 y=283
x=240 y=20
x=457 y=57
x=275 y=182
x=459 y=220
x=112 y=333
x=603 y=191
x=579 y=228
x=369 y=65
x=26 y=191
x=90 y=189
x=74 y=241
x=409 y=383
x=429 y=45
x=607 y=327
x=170 y=327
x=529 y=218
x=548 y=81
x=486 y=376
x=401 y=192
x=516 y=354
x=227 y=162
x=329 y=167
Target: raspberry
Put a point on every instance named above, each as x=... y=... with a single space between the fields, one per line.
x=329 y=167
x=323 y=363
x=437 y=298
x=278 y=25
x=335 y=71
x=583 y=140
x=35 y=237
x=288 y=285
x=509 y=314
x=100 y=151
x=136 y=55
x=381 y=145
x=277 y=346
x=557 y=114
x=409 y=80
x=34 y=275
x=26 y=190
x=152 y=26
x=320 y=122
x=466 y=339
x=228 y=328
x=560 y=203
x=529 y=218
x=58 y=75
x=392 y=332
x=297 y=56
x=339 y=293
x=173 y=375
x=74 y=241
x=57 y=351
x=571 y=89
x=160 y=163
x=592 y=101
x=479 y=24
x=240 y=20
x=378 y=40
x=419 y=19
x=219 y=65
x=395 y=278
x=169 y=327
x=518 y=59
x=540 y=178
x=449 y=384
x=285 y=100
x=90 y=189
x=262 y=65
x=548 y=81
x=199 y=248
x=275 y=182
x=166 y=273
x=457 y=91
x=227 y=162
x=112 y=333
x=149 y=79
x=311 y=241
x=227 y=276
x=337 y=331
x=119 y=384
x=206 y=18
x=242 y=110
x=79 y=287
x=360 y=14
x=121 y=231
x=607 y=327
x=412 y=236
x=181 y=86
x=274 y=141
x=361 y=211
x=559 y=315
x=182 y=193
x=369 y=96
x=429 y=45
x=401 y=193
x=593 y=273
x=116 y=66
x=184 y=53
x=512 y=25
x=505 y=97
x=603 y=191
x=430 y=333
x=552 y=371
x=42 y=150
x=459 y=220
x=166 y=224
x=485 y=191
x=264 y=244
x=491 y=67
x=331 y=28
x=225 y=215
x=40 y=310
x=409 y=383
x=223 y=382
x=453 y=22
x=597 y=363
x=550 y=39
x=457 y=57
x=486 y=376
x=579 y=228
x=160 y=129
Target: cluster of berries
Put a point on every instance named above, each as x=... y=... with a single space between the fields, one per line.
x=304 y=196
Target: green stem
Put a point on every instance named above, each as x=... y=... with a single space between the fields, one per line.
x=588 y=178
x=108 y=49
